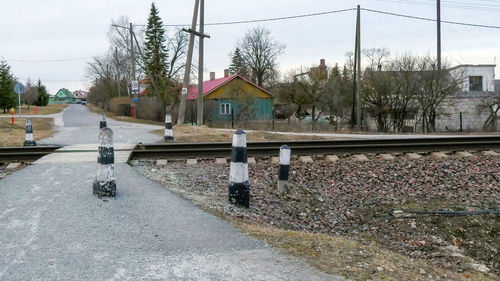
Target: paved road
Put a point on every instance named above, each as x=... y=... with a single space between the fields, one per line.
x=78 y=125
x=53 y=228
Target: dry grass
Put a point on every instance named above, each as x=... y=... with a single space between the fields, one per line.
x=49 y=109
x=13 y=135
x=188 y=133
x=342 y=256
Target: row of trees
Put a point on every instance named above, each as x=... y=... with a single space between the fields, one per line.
x=36 y=94
x=394 y=90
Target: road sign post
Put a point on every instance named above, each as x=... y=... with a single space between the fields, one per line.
x=134 y=89
x=19 y=89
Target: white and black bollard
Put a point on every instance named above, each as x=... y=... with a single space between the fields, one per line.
x=284 y=170
x=169 y=135
x=102 y=123
x=239 y=187
x=105 y=184
x=29 y=139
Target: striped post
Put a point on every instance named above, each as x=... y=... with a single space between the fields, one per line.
x=169 y=135
x=284 y=169
x=102 y=123
x=239 y=187
x=105 y=184
x=29 y=139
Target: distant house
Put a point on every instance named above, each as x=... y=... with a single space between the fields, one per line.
x=79 y=94
x=234 y=95
x=63 y=96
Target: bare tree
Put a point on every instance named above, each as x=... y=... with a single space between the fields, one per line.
x=437 y=86
x=407 y=86
x=491 y=104
x=177 y=47
x=260 y=53
x=30 y=96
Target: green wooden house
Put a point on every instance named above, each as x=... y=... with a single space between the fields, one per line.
x=63 y=96
x=235 y=96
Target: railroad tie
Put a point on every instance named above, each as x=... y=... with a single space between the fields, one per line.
x=105 y=184
x=239 y=187
x=29 y=139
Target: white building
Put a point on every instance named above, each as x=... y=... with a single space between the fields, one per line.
x=478 y=82
x=476 y=78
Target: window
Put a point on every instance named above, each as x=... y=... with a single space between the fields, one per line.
x=225 y=108
x=475 y=83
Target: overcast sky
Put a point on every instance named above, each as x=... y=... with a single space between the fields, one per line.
x=33 y=32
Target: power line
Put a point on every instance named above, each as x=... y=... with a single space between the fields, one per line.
x=50 y=60
x=429 y=19
x=264 y=20
x=450 y=4
x=332 y=12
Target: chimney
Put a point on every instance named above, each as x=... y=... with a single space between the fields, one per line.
x=226 y=73
x=212 y=75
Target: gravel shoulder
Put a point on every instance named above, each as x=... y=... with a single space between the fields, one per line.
x=352 y=203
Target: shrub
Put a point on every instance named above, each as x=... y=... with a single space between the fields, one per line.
x=120 y=106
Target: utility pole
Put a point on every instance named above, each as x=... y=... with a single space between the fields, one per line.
x=187 y=69
x=132 y=61
x=199 y=113
x=438 y=9
x=354 y=79
x=358 y=66
x=185 y=85
x=117 y=69
x=131 y=29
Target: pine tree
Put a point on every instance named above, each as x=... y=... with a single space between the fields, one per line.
x=43 y=95
x=238 y=64
x=7 y=94
x=156 y=55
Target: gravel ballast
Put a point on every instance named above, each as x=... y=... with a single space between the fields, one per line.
x=367 y=201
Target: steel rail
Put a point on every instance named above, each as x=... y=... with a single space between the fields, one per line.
x=423 y=145
x=26 y=153
x=320 y=142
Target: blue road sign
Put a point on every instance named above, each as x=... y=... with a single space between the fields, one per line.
x=19 y=88
x=135 y=99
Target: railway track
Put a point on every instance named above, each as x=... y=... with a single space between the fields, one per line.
x=315 y=147
x=26 y=153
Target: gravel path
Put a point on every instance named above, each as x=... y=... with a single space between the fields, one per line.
x=53 y=228
x=78 y=125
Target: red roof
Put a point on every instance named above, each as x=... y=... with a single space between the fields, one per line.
x=212 y=85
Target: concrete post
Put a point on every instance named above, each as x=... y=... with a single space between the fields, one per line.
x=29 y=139
x=239 y=187
x=169 y=135
x=102 y=123
x=105 y=184
x=284 y=169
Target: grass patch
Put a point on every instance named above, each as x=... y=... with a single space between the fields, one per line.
x=13 y=135
x=188 y=133
x=49 y=109
x=342 y=256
